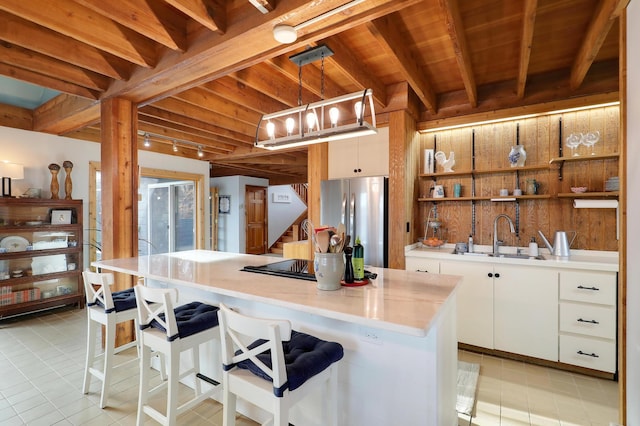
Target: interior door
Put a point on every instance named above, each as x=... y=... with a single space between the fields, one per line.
x=256 y=219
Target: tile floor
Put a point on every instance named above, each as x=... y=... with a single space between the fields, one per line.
x=43 y=359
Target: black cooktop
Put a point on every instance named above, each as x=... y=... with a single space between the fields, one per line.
x=292 y=268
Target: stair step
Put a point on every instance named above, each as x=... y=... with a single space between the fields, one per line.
x=276 y=250
x=286 y=239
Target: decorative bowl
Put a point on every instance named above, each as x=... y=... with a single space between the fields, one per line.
x=578 y=189
x=433 y=242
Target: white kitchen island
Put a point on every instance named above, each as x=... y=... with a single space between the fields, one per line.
x=398 y=333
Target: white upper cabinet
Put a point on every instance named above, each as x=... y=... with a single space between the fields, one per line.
x=360 y=156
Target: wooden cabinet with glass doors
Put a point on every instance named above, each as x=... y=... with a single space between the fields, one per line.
x=40 y=255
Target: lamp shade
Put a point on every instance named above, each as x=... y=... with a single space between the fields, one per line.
x=11 y=170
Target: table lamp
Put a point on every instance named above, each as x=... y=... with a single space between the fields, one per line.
x=10 y=171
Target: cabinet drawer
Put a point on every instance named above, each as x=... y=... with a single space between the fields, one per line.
x=590 y=320
x=588 y=352
x=420 y=264
x=590 y=287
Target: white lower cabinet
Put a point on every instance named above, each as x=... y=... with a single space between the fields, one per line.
x=588 y=319
x=525 y=314
x=474 y=302
x=552 y=313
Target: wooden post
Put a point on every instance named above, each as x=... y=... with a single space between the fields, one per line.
x=119 y=180
x=317 y=171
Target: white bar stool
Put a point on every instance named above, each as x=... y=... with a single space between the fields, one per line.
x=170 y=331
x=108 y=309
x=277 y=370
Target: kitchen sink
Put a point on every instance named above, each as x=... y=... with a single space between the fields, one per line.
x=505 y=255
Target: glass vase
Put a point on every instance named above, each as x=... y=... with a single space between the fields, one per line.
x=517 y=156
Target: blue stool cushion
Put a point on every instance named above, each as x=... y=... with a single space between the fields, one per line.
x=191 y=318
x=122 y=301
x=304 y=357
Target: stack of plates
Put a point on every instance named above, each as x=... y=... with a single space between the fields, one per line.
x=612 y=184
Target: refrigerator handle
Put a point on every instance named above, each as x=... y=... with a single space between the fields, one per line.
x=352 y=216
x=343 y=215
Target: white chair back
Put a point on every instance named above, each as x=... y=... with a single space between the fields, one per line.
x=102 y=290
x=152 y=302
x=236 y=329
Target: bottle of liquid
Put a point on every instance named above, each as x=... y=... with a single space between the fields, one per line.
x=470 y=244
x=358 y=261
x=348 y=266
x=533 y=248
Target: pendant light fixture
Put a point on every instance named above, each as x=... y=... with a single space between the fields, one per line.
x=326 y=120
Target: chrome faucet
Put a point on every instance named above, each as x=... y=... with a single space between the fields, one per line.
x=496 y=242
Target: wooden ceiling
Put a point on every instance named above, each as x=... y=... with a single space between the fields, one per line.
x=206 y=70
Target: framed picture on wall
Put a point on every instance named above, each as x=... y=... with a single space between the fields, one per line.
x=224 y=204
x=60 y=217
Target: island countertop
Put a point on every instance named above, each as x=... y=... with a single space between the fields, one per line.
x=397 y=300
x=402 y=319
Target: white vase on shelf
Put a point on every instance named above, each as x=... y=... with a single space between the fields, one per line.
x=517 y=156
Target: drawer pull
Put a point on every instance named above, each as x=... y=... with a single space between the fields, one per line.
x=591 y=354
x=589 y=321
x=581 y=287
x=419 y=270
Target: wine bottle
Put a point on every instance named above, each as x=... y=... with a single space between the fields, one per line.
x=358 y=261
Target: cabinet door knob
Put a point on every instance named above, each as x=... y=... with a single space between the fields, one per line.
x=490 y=275
x=497 y=275
x=355 y=170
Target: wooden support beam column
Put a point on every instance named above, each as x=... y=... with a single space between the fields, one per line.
x=317 y=171
x=402 y=177
x=119 y=180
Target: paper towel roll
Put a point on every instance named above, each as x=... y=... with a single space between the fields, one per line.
x=429 y=161
x=595 y=204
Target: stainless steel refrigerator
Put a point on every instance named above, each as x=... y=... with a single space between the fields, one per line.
x=361 y=204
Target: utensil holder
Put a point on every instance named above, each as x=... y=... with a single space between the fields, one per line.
x=329 y=268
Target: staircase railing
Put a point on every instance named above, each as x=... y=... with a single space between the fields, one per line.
x=302 y=190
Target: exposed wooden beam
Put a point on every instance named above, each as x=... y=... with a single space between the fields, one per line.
x=225 y=135
x=455 y=27
x=607 y=11
x=240 y=93
x=344 y=61
x=178 y=131
x=311 y=78
x=81 y=23
x=37 y=63
x=209 y=100
x=528 y=25
x=277 y=86
x=65 y=113
x=186 y=109
x=46 y=81
x=264 y=6
x=154 y=20
x=384 y=30
x=208 y=13
x=29 y=36
x=16 y=117
x=145 y=126
x=247 y=42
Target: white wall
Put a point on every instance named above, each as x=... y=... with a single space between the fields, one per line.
x=37 y=150
x=231 y=227
x=633 y=213
x=281 y=215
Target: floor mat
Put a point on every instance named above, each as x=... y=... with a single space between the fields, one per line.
x=467 y=383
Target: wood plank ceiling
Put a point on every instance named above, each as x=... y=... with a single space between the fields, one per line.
x=206 y=70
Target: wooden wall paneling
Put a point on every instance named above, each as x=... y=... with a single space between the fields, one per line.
x=540 y=137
